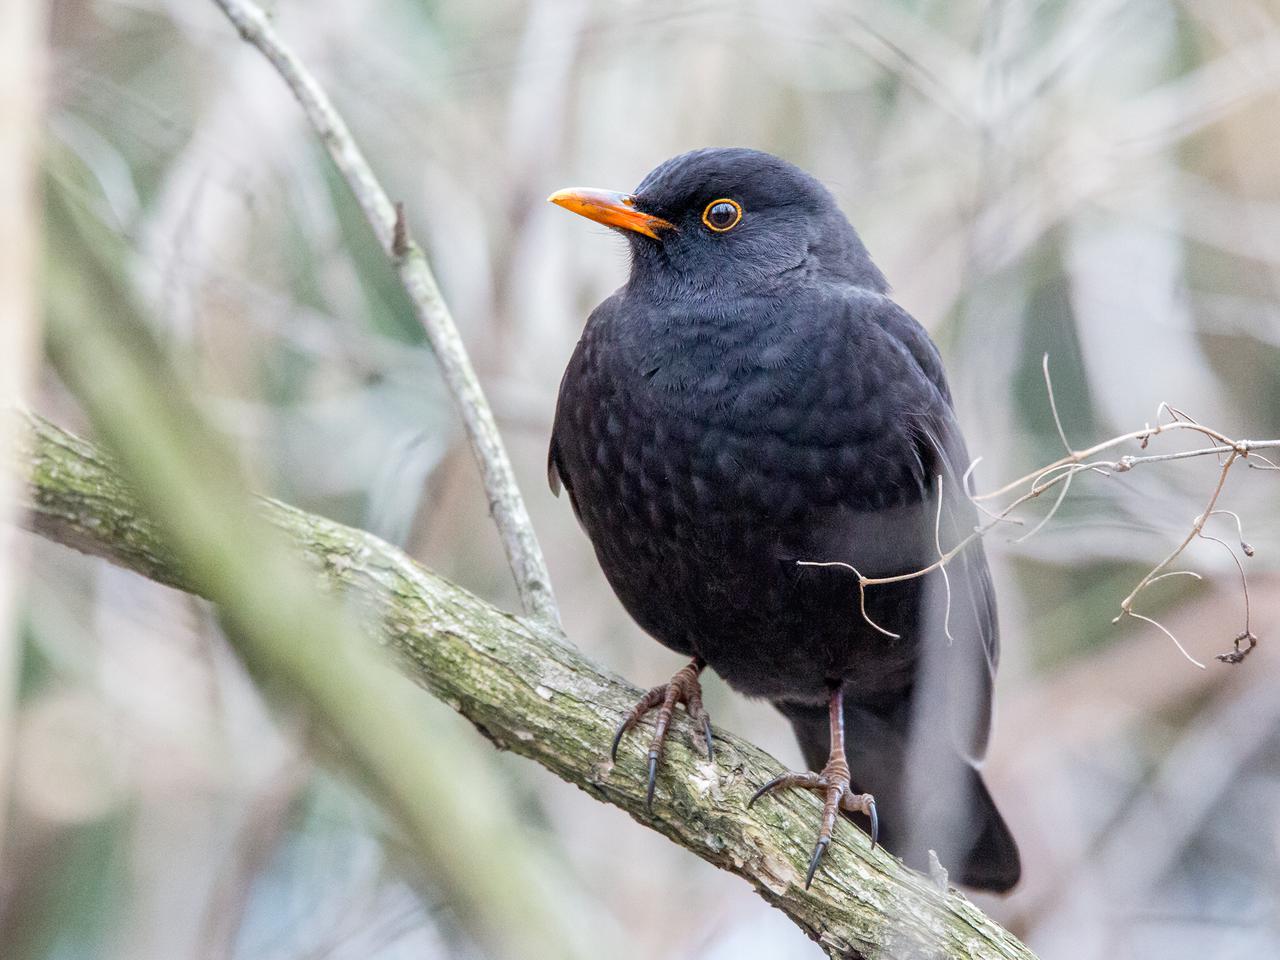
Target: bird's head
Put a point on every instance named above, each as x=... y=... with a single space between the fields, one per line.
x=729 y=218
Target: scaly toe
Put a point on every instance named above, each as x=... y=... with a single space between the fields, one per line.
x=852 y=802
x=837 y=795
x=805 y=781
x=682 y=688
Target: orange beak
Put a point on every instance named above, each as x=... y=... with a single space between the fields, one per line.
x=610 y=208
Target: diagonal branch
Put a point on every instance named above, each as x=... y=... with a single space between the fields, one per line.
x=389 y=226
x=528 y=692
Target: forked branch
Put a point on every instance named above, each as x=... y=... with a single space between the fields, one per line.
x=392 y=231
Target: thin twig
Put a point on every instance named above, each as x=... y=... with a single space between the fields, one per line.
x=1265 y=465
x=946 y=577
x=1244 y=447
x=1126 y=605
x=1177 y=573
x=1066 y=445
x=964 y=485
x=1167 y=632
x=1244 y=544
x=1053 y=403
x=1062 y=471
x=1062 y=495
x=862 y=593
x=1244 y=579
x=505 y=503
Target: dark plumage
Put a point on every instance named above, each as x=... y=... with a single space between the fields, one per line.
x=752 y=398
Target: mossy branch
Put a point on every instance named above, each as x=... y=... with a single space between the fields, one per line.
x=528 y=692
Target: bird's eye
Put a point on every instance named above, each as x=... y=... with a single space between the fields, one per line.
x=723 y=214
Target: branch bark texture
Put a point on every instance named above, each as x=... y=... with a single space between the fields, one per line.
x=528 y=692
x=505 y=502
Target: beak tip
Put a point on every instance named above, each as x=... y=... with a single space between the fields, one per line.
x=610 y=208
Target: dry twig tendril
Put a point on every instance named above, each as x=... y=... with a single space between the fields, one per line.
x=1059 y=474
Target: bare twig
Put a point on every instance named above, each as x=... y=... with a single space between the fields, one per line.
x=1060 y=474
x=1197 y=528
x=862 y=593
x=1237 y=655
x=1053 y=403
x=1177 y=573
x=505 y=502
x=946 y=577
x=1265 y=465
x=1244 y=545
x=1066 y=444
x=964 y=485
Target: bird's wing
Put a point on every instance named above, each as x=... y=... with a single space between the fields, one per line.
x=557 y=475
x=557 y=470
x=974 y=644
x=579 y=374
x=554 y=479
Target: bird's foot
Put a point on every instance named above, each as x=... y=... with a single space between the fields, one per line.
x=682 y=688
x=833 y=784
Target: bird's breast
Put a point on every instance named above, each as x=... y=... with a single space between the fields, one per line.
x=713 y=442
x=704 y=475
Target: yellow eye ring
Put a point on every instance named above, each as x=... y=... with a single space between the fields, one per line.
x=723 y=214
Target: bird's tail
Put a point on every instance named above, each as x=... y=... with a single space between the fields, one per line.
x=958 y=819
x=992 y=862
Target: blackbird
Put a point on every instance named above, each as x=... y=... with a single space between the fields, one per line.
x=745 y=427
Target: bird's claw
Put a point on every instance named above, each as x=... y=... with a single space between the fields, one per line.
x=819 y=849
x=707 y=738
x=833 y=784
x=682 y=688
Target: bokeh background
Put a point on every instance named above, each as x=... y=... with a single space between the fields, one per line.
x=1098 y=180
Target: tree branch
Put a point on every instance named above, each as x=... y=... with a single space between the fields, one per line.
x=528 y=692
x=389 y=226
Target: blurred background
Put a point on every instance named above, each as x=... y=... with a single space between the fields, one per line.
x=1099 y=180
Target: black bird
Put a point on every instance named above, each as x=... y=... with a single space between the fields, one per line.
x=752 y=403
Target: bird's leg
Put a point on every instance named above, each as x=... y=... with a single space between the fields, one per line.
x=682 y=688
x=832 y=783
